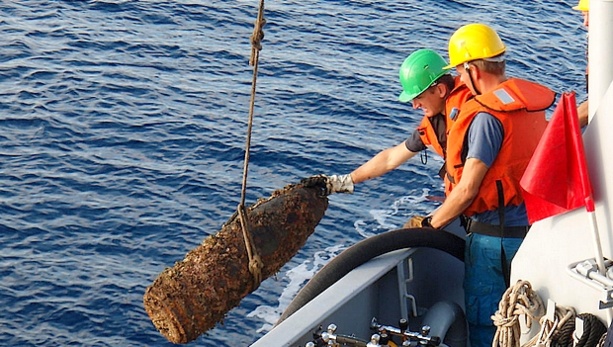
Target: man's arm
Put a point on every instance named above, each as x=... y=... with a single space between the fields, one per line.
x=462 y=195
x=485 y=138
x=382 y=163
x=582 y=114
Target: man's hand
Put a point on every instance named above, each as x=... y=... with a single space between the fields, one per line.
x=414 y=222
x=418 y=222
x=331 y=184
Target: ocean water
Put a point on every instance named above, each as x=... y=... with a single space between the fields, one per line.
x=123 y=128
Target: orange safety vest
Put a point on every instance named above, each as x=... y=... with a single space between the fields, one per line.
x=520 y=106
x=456 y=98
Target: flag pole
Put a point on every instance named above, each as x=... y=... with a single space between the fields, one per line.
x=599 y=256
x=597 y=243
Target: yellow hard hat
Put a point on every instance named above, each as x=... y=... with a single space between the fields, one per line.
x=474 y=41
x=583 y=5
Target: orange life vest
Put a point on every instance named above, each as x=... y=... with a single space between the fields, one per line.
x=456 y=98
x=520 y=106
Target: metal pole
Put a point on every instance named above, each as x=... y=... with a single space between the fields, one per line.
x=600 y=56
x=600 y=51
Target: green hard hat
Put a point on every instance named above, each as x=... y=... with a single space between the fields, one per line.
x=419 y=71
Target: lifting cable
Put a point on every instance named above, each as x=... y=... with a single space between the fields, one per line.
x=255 y=261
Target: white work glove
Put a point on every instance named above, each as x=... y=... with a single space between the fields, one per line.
x=340 y=184
x=330 y=184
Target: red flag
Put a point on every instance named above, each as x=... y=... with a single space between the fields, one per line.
x=556 y=179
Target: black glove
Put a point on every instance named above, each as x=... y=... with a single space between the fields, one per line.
x=330 y=184
x=425 y=223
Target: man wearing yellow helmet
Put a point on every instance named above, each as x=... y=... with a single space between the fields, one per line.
x=488 y=149
x=429 y=86
x=584 y=7
x=582 y=110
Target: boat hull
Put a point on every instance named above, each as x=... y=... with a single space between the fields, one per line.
x=406 y=283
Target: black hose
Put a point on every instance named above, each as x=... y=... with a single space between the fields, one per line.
x=369 y=248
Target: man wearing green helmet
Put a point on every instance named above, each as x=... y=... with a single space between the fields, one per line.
x=426 y=83
x=429 y=86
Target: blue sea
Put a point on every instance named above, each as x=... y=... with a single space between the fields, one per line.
x=123 y=128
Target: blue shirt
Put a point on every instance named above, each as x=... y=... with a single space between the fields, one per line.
x=485 y=136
